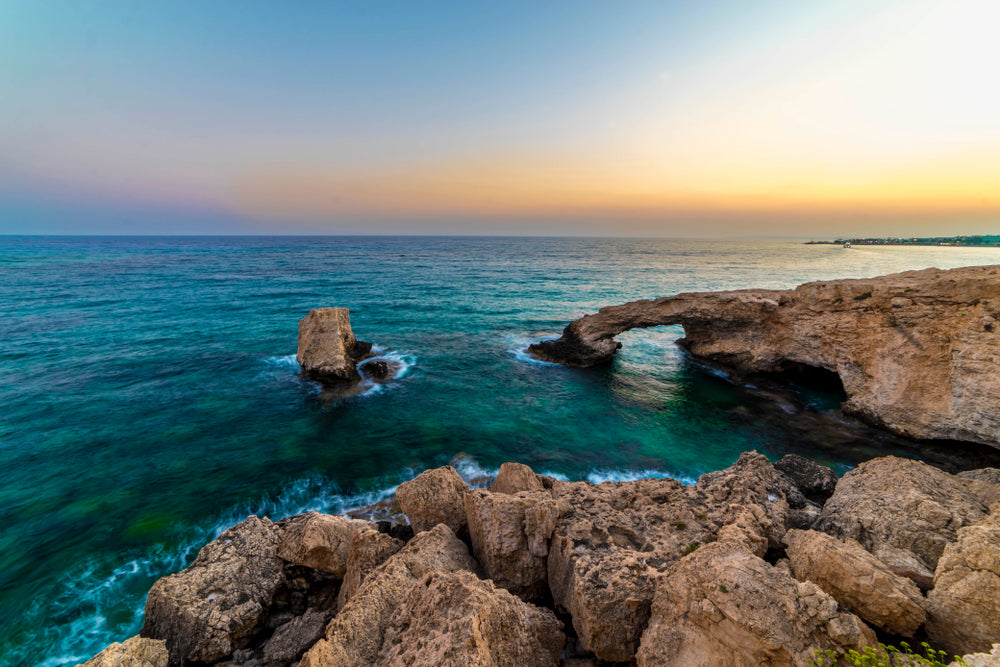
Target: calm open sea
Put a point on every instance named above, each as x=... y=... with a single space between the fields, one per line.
x=150 y=395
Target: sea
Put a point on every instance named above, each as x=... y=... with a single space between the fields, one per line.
x=150 y=397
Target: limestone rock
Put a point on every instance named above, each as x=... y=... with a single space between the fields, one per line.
x=991 y=659
x=965 y=602
x=290 y=640
x=816 y=482
x=455 y=619
x=319 y=541
x=514 y=477
x=905 y=512
x=433 y=497
x=857 y=580
x=916 y=352
x=215 y=606
x=355 y=636
x=369 y=549
x=510 y=538
x=721 y=606
x=613 y=542
x=133 y=652
x=328 y=350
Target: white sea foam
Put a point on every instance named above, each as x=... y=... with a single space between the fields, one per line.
x=601 y=476
x=518 y=348
x=285 y=368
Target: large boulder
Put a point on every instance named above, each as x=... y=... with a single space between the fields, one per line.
x=905 y=512
x=133 y=652
x=454 y=619
x=916 y=352
x=369 y=549
x=515 y=477
x=291 y=639
x=319 y=541
x=965 y=602
x=814 y=481
x=510 y=538
x=433 y=497
x=354 y=638
x=857 y=580
x=722 y=606
x=614 y=541
x=220 y=601
x=328 y=350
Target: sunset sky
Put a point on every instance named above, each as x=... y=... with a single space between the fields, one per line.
x=613 y=118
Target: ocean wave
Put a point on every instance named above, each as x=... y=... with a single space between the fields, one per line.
x=285 y=368
x=601 y=476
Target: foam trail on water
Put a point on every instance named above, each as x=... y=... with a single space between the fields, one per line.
x=601 y=476
x=285 y=368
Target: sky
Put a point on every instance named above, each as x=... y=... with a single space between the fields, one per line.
x=700 y=118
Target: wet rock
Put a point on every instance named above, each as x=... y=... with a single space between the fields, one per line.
x=433 y=497
x=905 y=512
x=133 y=652
x=377 y=369
x=292 y=639
x=369 y=549
x=214 y=607
x=965 y=601
x=514 y=477
x=614 y=541
x=355 y=636
x=510 y=538
x=454 y=618
x=722 y=606
x=816 y=482
x=319 y=541
x=916 y=352
x=857 y=580
x=328 y=351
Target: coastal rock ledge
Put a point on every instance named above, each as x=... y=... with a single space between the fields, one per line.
x=917 y=352
x=539 y=572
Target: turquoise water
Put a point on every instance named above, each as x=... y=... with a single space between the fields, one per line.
x=151 y=398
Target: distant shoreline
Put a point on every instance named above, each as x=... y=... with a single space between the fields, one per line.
x=984 y=241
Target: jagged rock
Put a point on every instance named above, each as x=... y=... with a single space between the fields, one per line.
x=213 y=607
x=614 y=541
x=991 y=475
x=433 y=497
x=510 y=538
x=991 y=659
x=290 y=640
x=328 y=350
x=319 y=541
x=455 y=619
x=369 y=549
x=816 y=482
x=133 y=652
x=355 y=636
x=857 y=580
x=722 y=606
x=905 y=512
x=514 y=477
x=965 y=602
x=916 y=352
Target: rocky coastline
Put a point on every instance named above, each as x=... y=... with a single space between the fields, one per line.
x=757 y=564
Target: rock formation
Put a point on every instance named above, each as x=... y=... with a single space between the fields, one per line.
x=328 y=351
x=650 y=572
x=916 y=352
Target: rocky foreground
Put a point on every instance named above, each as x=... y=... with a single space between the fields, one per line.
x=916 y=352
x=758 y=564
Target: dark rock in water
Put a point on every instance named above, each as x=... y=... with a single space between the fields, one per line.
x=216 y=605
x=816 y=482
x=328 y=351
x=377 y=369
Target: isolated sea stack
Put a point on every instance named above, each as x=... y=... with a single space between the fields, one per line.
x=917 y=352
x=328 y=351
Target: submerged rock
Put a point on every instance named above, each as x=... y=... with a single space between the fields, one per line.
x=215 y=606
x=916 y=352
x=133 y=652
x=328 y=351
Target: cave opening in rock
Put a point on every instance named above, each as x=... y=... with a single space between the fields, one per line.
x=818 y=388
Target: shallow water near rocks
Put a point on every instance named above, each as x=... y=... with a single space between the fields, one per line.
x=151 y=395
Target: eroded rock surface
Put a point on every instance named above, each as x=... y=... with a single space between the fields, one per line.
x=965 y=601
x=133 y=652
x=455 y=619
x=215 y=606
x=857 y=580
x=905 y=512
x=319 y=541
x=916 y=352
x=433 y=497
x=328 y=350
x=722 y=606
x=514 y=477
